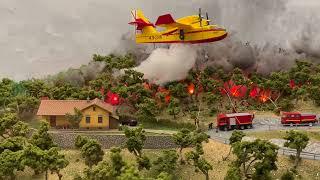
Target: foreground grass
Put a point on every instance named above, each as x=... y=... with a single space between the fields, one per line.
x=214 y=151
x=313 y=134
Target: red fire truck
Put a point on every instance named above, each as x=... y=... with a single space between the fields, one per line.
x=234 y=121
x=298 y=118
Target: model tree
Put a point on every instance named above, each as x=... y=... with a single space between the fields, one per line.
x=92 y=152
x=235 y=137
x=254 y=159
x=75 y=118
x=166 y=162
x=148 y=110
x=56 y=161
x=113 y=168
x=44 y=160
x=7 y=121
x=174 y=107
x=196 y=156
x=135 y=142
x=298 y=141
x=182 y=139
x=42 y=138
x=10 y=163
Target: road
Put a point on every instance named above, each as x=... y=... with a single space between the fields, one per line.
x=312 y=151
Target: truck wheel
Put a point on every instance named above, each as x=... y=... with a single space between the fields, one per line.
x=310 y=124
x=225 y=128
x=242 y=127
x=291 y=124
x=249 y=126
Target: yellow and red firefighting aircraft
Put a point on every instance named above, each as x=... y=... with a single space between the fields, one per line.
x=189 y=29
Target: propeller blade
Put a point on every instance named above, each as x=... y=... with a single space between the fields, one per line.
x=200 y=17
x=133 y=15
x=208 y=22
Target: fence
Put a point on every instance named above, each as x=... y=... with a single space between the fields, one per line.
x=306 y=155
x=282 y=150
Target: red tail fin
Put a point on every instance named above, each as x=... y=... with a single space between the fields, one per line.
x=140 y=20
x=140 y=23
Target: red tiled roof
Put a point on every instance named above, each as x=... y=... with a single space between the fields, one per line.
x=62 y=107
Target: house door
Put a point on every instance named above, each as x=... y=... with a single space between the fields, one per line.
x=53 y=121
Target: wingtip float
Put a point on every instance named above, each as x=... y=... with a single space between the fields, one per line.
x=189 y=29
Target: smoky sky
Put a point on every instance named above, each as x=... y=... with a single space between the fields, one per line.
x=40 y=37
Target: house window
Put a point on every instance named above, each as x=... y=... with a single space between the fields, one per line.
x=94 y=108
x=88 y=119
x=100 y=119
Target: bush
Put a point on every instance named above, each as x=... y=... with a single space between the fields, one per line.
x=167 y=161
x=213 y=111
x=286 y=105
x=166 y=123
x=288 y=176
x=80 y=141
x=233 y=173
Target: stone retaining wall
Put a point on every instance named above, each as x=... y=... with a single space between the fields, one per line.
x=66 y=140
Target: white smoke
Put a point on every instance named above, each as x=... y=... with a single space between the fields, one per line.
x=164 y=65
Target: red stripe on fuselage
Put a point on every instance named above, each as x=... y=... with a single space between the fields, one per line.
x=196 y=41
x=207 y=30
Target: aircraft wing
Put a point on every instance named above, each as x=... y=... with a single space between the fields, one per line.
x=168 y=22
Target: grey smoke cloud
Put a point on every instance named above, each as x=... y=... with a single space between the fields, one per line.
x=79 y=76
x=39 y=37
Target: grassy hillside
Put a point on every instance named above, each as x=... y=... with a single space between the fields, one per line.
x=309 y=169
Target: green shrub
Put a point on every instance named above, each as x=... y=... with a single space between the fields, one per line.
x=288 y=176
x=166 y=123
x=286 y=105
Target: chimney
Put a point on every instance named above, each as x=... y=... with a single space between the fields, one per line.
x=88 y=99
x=44 y=98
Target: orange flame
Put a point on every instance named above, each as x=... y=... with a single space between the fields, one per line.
x=146 y=85
x=234 y=91
x=238 y=91
x=265 y=95
x=166 y=92
x=167 y=98
x=191 y=88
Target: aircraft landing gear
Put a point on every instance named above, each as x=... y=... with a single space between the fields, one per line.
x=181 y=36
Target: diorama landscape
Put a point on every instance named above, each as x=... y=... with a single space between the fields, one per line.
x=184 y=110
x=160 y=90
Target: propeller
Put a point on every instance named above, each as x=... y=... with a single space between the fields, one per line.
x=200 y=17
x=208 y=21
x=134 y=15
